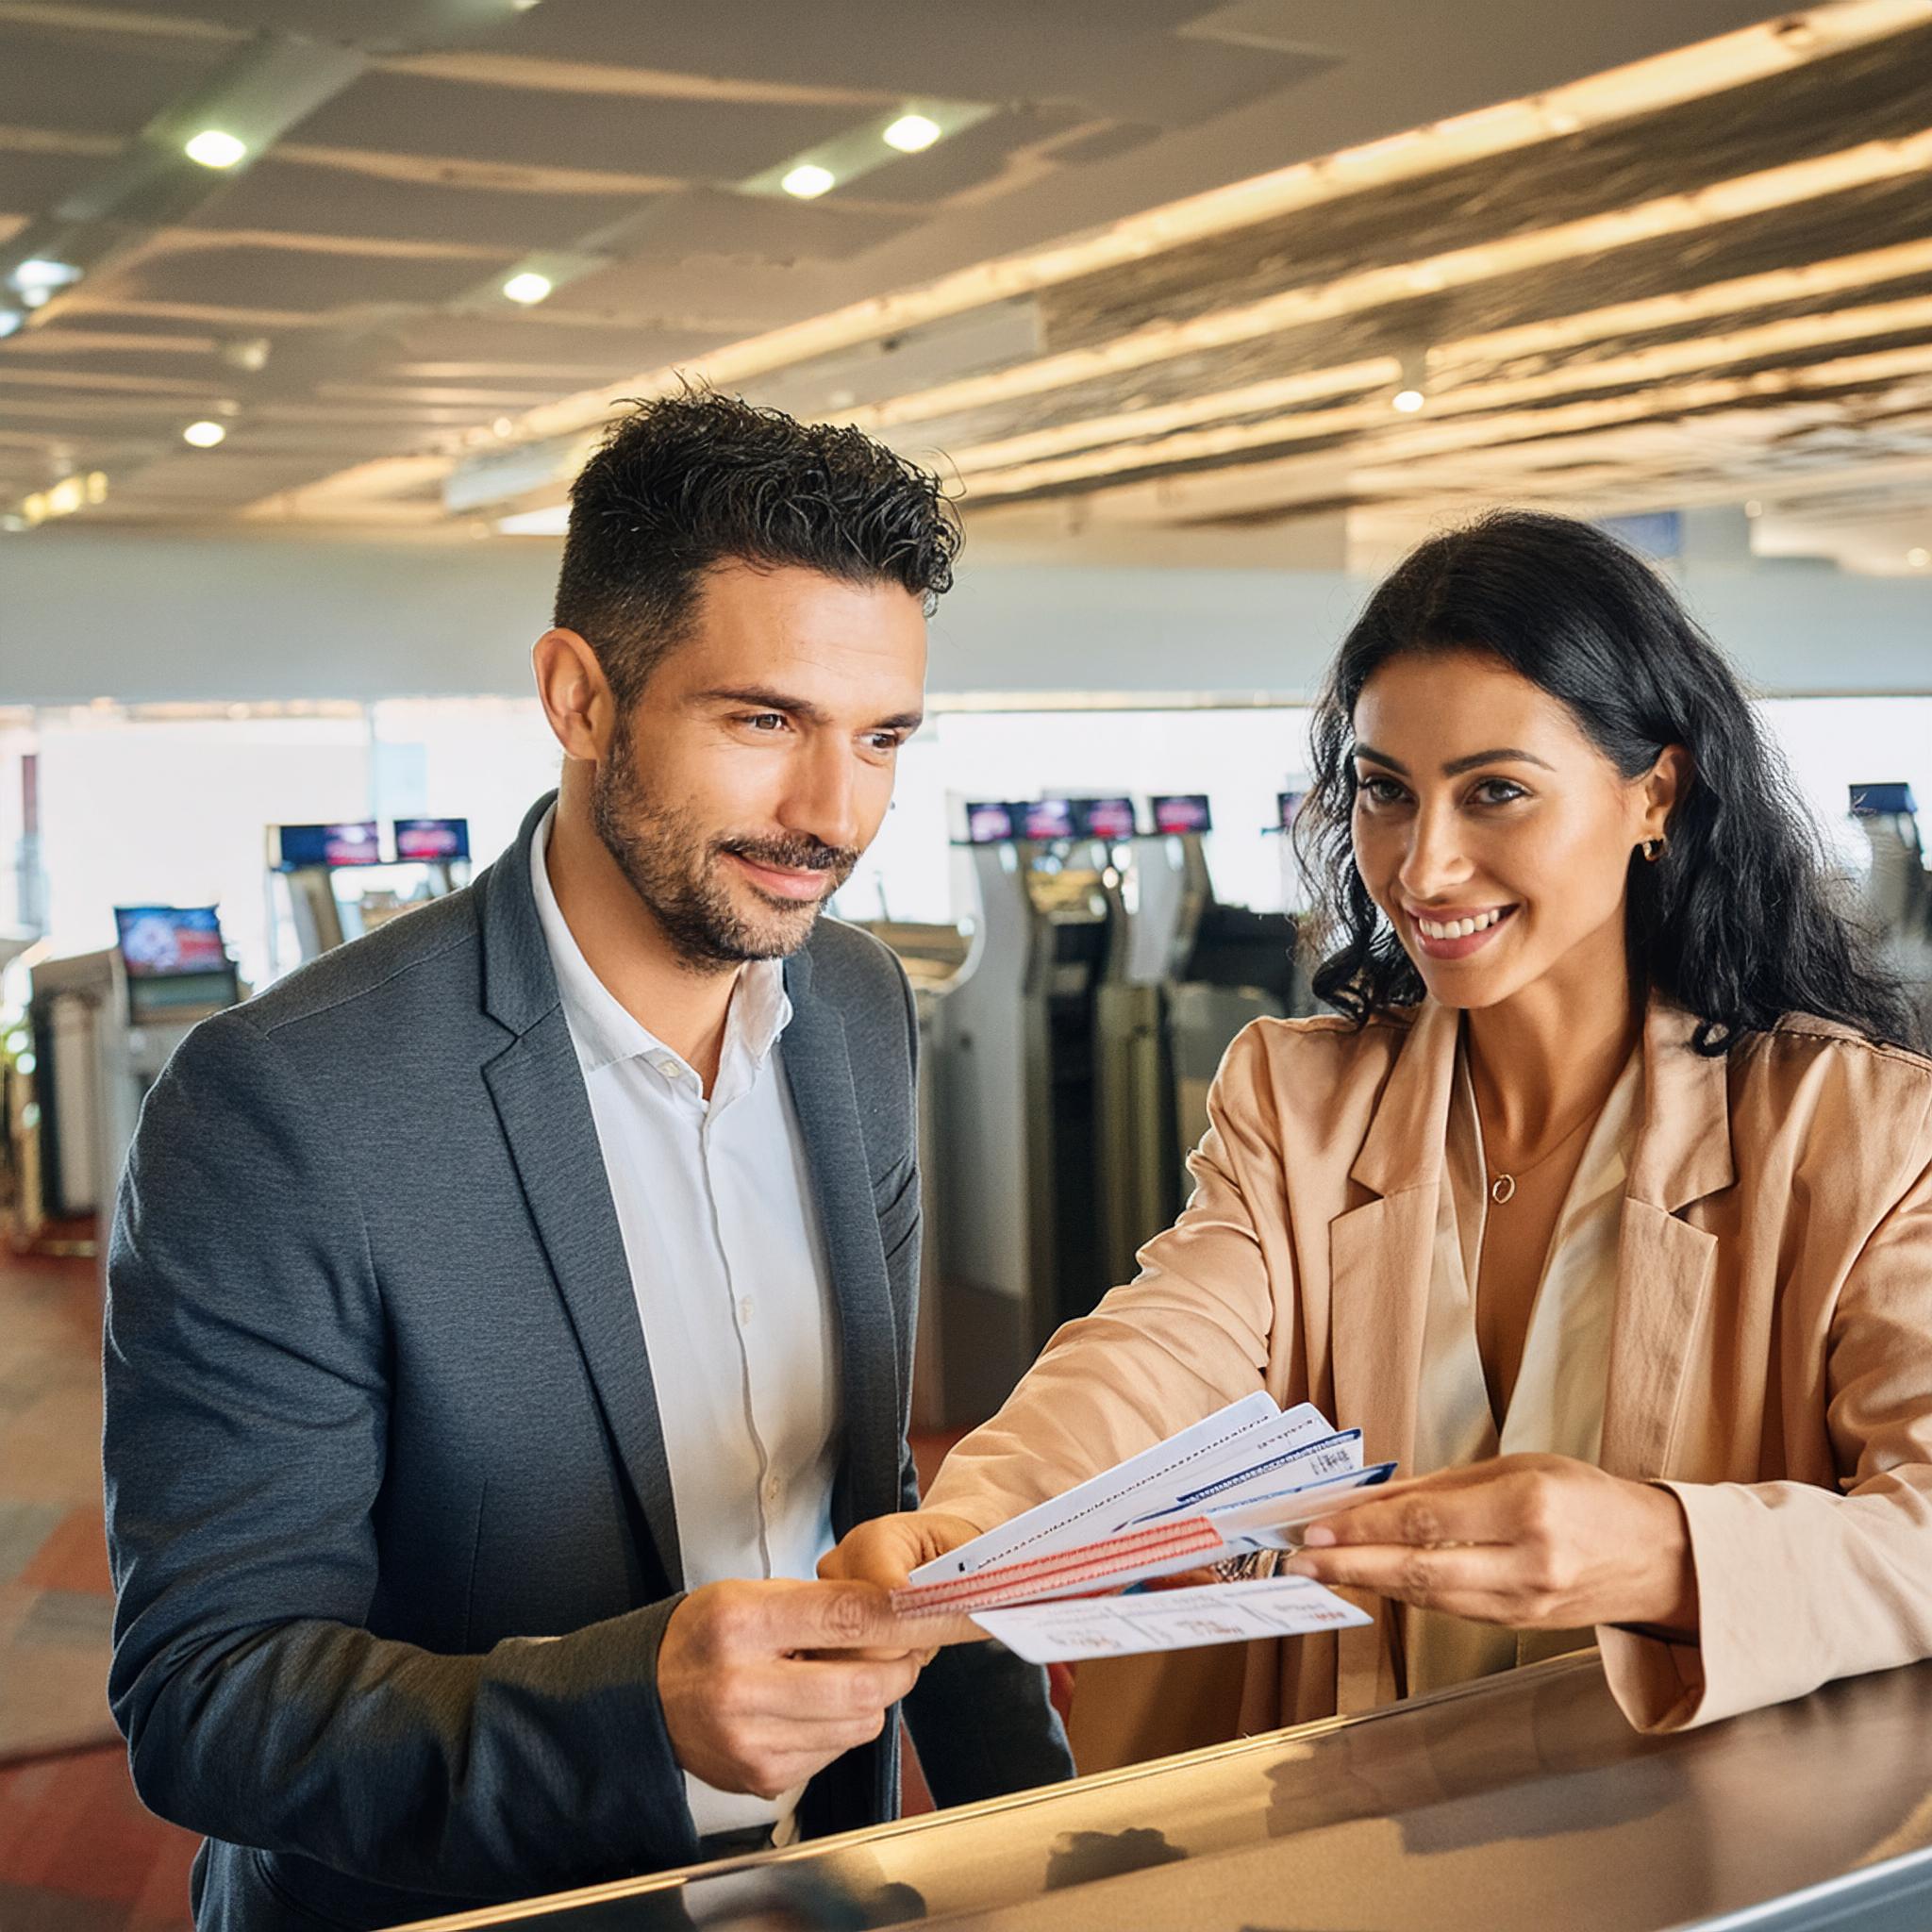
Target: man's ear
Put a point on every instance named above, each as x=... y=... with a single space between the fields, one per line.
x=575 y=694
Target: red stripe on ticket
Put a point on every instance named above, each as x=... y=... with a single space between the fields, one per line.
x=1090 y=1566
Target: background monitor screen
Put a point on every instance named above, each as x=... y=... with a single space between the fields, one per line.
x=987 y=824
x=1049 y=818
x=1287 y=804
x=349 y=842
x=435 y=841
x=162 y=942
x=1103 y=818
x=1185 y=811
x=1883 y=801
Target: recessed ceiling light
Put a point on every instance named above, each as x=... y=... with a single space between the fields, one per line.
x=35 y=296
x=1754 y=508
x=527 y=288
x=215 y=148
x=10 y=319
x=1408 y=400
x=1918 y=558
x=807 y=181
x=41 y=272
x=203 y=435
x=912 y=133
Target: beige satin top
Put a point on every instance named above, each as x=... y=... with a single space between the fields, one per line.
x=1558 y=1403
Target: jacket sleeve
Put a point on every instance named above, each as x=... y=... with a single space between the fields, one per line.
x=1190 y=1334
x=1796 y=1585
x=247 y=1379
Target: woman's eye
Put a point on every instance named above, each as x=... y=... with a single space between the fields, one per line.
x=1497 y=792
x=1380 y=791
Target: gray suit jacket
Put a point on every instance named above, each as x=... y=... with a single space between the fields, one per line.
x=380 y=1416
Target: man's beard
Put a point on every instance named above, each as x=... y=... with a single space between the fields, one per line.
x=674 y=868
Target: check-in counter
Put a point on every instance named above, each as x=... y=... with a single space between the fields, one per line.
x=1521 y=1801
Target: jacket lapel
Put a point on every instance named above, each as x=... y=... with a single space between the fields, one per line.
x=1665 y=1267
x=1379 y=1257
x=1379 y=1253
x=818 y=1071
x=545 y=1113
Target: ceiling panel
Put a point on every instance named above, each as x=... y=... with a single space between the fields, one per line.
x=340 y=201
x=126 y=85
x=703 y=140
x=222 y=272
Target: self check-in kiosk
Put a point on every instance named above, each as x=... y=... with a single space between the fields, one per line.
x=1012 y=1067
x=104 y=1026
x=1897 y=891
x=331 y=883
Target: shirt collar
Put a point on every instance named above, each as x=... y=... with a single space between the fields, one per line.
x=601 y=1029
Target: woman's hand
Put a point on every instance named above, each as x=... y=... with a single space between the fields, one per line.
x=1536 y=1542
x=888 y=1548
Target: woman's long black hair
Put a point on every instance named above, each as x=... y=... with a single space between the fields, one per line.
x=1739 y=921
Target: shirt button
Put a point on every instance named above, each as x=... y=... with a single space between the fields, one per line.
x=744 y=1309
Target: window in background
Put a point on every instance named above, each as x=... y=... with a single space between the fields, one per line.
x=143 y=812
x=485 y=759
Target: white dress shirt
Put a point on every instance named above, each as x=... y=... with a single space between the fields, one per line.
x=1557 y=1405
x=728 y=1266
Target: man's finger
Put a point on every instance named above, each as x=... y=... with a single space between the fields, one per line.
x=837 y=1690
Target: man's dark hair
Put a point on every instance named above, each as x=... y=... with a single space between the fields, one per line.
x=693 y=481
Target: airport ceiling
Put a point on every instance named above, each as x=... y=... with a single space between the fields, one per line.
x=1171 y=263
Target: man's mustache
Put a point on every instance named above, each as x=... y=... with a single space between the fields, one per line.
x=793 y=855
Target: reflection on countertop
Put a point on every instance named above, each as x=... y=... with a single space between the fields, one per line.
x=1523 y=1801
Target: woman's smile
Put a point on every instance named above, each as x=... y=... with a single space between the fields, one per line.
x=1457 y=932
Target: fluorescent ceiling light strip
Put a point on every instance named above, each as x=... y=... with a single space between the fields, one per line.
x=1791 y=334
x=1478 y=423
x=1643 y=87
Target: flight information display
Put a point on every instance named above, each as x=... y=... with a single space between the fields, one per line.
x=432 y=841
x=1111 y=819
x=1183 y=811
x=165 y=942
x=1049 y=818
x=349 y=842
x=990 y=821
x=1883 y=801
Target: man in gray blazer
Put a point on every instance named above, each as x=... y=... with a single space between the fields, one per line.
x=508 y=1311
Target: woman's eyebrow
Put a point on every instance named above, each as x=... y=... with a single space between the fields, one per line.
x=1493 y=758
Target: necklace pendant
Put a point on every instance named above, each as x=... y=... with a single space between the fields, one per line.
x=1503 y=1189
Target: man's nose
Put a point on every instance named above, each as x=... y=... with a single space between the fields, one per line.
x=822 y=800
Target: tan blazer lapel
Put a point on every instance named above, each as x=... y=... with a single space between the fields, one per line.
x=1380 y=1256
x=1664 y=1265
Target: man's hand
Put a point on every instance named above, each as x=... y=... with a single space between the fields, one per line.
x=1535 y=1543
x=762 y=1684
x=887 y=1550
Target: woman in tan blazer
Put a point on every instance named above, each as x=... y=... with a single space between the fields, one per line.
x=1604 y=1203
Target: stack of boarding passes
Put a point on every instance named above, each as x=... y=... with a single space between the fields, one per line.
x=1071 y=1578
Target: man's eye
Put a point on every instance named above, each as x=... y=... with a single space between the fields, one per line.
x=765 y=722
x=886 y=741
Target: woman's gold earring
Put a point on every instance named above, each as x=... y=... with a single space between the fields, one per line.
x=1652 y=849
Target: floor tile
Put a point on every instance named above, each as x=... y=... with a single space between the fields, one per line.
x=23 y=1527
x=73 y=1557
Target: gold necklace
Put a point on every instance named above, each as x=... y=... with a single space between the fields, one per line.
x=1503 y=1185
